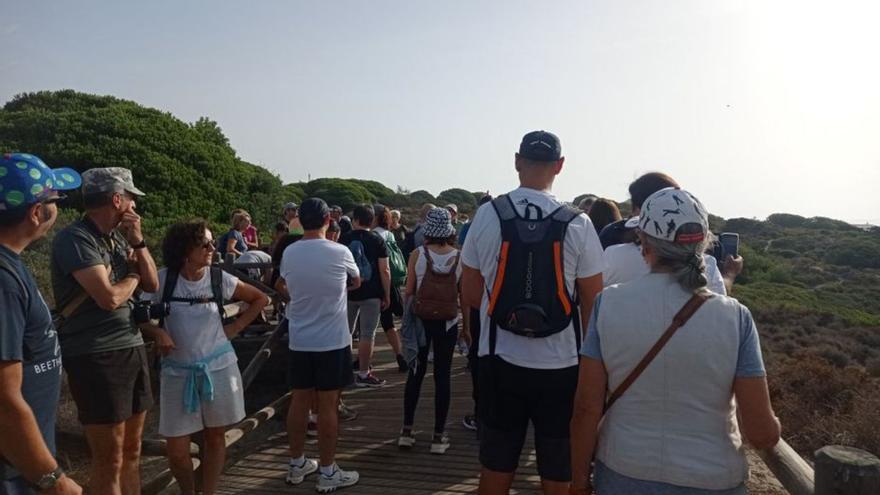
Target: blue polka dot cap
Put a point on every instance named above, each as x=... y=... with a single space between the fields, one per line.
x=25 y=180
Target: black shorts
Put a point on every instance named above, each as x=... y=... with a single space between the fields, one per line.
x=324 y=371
x=109 y=387
x=386 y=317
x=510 y=397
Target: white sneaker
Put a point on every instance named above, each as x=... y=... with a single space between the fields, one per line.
x=339 y=479
x=296 y=475
x=406 y=441
x=440 y=445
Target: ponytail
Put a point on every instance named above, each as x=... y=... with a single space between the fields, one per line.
x=685 y=261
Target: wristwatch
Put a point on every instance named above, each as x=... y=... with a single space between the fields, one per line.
x=140 y=245
x=47 y=481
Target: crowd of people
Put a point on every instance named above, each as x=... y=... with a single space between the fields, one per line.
x=614 y=338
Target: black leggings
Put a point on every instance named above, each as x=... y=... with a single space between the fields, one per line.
x=473 y=355
x=443 y=343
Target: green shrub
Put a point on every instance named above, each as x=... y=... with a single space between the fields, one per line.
x=421 y=197
x=340 y=192
x=185 y=169
x=379 y=192
x=786 y=220
x=461 y=198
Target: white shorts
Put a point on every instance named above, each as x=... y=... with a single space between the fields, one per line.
x=226 y=409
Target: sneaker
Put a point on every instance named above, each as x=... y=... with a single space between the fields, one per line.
x=406 y=440
x=470 y=422
x=346 y=413
x=440 y=444
x=312 y=429
x=368 y=381
x=402 y=365
x=296 y=475
x=339 y=479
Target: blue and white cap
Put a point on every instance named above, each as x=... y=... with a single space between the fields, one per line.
x=25 y=180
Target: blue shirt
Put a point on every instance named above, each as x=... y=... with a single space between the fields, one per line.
x=28 y=336
x=240 y=245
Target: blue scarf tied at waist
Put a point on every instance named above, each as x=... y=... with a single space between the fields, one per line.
x=198 y=386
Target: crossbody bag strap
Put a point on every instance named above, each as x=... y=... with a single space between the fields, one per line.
x=682 y=317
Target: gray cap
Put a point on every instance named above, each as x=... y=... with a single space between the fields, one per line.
x=110 y=179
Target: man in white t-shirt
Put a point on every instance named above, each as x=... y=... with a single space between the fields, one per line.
x=623 y=257
x=624 y=262
x=532 y=303
x=318 y=273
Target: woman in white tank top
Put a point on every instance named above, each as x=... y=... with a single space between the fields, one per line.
x=441 y=335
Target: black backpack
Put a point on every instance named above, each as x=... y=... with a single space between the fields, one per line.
x=529 y=296
x=216 y=292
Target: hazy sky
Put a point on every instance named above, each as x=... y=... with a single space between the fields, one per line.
x=755 y=106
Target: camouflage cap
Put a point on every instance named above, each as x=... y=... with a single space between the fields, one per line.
x=110 y=179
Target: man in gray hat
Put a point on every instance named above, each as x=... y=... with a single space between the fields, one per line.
x=98 y=262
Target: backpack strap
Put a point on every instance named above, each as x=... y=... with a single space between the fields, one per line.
x=504 y=208
x=171 y=277
x=565 y=214
x=217 y=290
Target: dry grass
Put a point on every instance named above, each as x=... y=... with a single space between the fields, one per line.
x=820 y=404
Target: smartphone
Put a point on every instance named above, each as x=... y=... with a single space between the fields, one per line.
x=729 y=242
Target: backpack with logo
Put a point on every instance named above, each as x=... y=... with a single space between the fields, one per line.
x=359 y=252
x=529 y=296
x=437 y=296
x=395 y=260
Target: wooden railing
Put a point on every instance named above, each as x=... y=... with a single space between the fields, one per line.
x=839 y=470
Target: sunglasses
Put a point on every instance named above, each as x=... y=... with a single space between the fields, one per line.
x=208 y=244
x=54 y=199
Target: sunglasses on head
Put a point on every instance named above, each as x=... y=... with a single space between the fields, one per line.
x=54 y=199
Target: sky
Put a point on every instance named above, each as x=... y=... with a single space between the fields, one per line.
x=755 y=106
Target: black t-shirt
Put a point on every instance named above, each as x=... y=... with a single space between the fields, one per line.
x=28 y=336
x=366 y=247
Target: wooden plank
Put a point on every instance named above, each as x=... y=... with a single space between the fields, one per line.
x=369 y=445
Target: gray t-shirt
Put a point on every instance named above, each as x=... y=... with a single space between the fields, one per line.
x=91 y=329
x=27 y=336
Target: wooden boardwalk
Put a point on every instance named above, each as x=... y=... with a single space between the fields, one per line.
x=369 y=445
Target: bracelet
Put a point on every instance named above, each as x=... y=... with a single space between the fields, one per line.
x=140 y=245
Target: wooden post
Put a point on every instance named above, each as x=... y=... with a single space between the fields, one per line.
x=846 y=471
x=789 y=468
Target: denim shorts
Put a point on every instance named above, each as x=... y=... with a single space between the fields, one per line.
x=609 y=482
